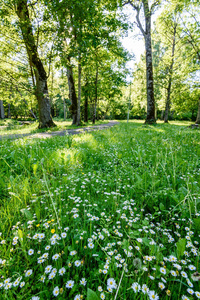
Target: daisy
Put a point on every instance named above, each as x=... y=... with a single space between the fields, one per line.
x=70 y=284
x=192 y=268
x=22 y=284
x=136 y=287
x=197 y=294
x=173 y=273
x=51 y=275
x=30 y=252
x=77 y=263
x=184 y=274
x=145 y=289
x=56 y=291
x=77 y=297
x=190 y=291
x=161 y=285
x=28 y=273
x=102 y=296
x=55 y=256
x=111 y=283
x=62 y=271
x=83 y=282
x=185 y=298
x=163 y=270
x=48 y=269
x=153 y=296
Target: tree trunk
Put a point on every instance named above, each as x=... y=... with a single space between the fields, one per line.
x=149 y=66
x=45 y=119
x=72 y=92
x=2 y=115
x=198 y=114
x=9 y=114
x=96 y=95
x=78 y=121
x=86 y=109
x=167 y=107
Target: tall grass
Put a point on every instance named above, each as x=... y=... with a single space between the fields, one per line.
x=114 y=214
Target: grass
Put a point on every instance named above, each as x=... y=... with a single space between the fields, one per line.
x=112 y=214
x=10 y=126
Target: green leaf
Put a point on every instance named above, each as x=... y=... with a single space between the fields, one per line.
x=162 y=206
x=27 y=213
x=91 y=295
x=180 y=247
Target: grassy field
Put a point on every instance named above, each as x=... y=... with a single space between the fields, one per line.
x=113 y=214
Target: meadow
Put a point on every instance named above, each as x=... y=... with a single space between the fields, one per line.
x=113 y=214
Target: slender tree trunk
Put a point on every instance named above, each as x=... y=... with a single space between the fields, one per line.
x=167 y=107
x=96 y=95
x=2 y=114
x=198 y=114
x=86 y=108
x=78 y=121
x=72 y=92
x=9 y=114
x=149 y=66
x=45 y=119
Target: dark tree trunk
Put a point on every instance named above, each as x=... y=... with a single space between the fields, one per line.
x=45 y=119
x=96 y=95
x=149 y=65
x=167 y=107
x=72 y=92
x=9 y=114
x=86 y=109
x=2 y=115
x=198 y=114
x=78 y=121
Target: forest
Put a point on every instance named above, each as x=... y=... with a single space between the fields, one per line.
x=67 y=59
x=99 y=150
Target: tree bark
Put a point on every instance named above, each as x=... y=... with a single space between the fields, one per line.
x=149 y=65
x=78 y=121
x=198 y=114
x=96 y=95
x=72 y=92
x=86 y=103
x=45 y=119
x=2 y=114
x=9 y=114
x=167 y=107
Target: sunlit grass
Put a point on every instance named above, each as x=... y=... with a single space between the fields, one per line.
x=107 y=212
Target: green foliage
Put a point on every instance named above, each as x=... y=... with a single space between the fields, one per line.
x=91 y=295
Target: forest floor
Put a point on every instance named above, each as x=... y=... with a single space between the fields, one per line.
x=60 y=132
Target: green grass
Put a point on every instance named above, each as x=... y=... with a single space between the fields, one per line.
x=10 y=126
x=127 y=199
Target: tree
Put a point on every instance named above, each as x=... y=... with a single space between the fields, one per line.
x=45 y=119
x=146 y=32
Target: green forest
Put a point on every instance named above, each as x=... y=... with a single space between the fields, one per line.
x=99 y=149
x=68 y=60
